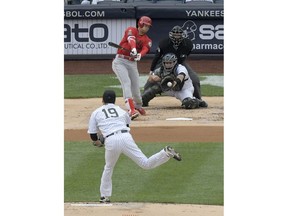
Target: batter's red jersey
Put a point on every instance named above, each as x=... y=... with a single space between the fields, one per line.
x=132 y=39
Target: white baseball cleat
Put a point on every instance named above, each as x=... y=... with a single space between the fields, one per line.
x=172 y=153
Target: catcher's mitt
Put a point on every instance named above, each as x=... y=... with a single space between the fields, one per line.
x=164 y=82
x=100 y=141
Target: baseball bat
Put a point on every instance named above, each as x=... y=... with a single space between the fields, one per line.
x=118 y=46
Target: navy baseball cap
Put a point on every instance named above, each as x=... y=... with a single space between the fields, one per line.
x=109 y=96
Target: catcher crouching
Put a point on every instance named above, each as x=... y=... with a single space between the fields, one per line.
x=181 y=88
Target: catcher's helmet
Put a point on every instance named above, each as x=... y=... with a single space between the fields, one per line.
x=169 y=62
x=144 y=20
x=109 y=96
x=176 y=35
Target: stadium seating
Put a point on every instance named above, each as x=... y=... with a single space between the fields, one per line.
x=142 y=2
x=156 y=2
x=85 y=2
x=74 y=2
x=168 y=2
x=197 y=1
x=109 y=2
x=145 y=2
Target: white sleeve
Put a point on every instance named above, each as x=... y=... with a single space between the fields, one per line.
x=92 y=127
x=182 y=69
x=128 y=119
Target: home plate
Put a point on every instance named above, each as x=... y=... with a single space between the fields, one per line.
x=92 y=204
x=179 y=119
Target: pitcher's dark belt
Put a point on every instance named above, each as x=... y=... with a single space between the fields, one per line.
x=125 y=57
x=122 y=131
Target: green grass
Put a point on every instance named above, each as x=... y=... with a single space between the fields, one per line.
x=209 y=90
x=197 y=179
x=89 y=86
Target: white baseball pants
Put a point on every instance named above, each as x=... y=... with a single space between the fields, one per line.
x=124 y=143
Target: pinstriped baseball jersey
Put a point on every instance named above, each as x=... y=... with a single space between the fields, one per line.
x=108 y=118
x=111 y=121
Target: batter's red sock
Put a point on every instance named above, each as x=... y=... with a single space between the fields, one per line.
x=130 y=105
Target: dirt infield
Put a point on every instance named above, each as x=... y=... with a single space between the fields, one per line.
x=142 y=209
x=204 y=125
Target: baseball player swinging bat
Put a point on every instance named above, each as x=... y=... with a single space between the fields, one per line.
x=117 y=46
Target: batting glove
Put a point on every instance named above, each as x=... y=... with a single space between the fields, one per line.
x=138 y=57
x=133 y=52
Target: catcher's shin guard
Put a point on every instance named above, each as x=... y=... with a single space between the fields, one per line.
x=150 y=93
x=147 y=95
x=189 y=103
x=148 y=85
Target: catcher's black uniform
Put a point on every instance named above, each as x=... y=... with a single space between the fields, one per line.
x=182 y=52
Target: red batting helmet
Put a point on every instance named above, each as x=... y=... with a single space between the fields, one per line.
x=144 y=20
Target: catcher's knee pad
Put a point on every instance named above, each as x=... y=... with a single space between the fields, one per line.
x=189 y=103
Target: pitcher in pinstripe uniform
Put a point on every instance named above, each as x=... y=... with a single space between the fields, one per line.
x=113 y=123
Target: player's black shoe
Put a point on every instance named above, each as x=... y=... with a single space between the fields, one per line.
x=202 y=103
x=104 y=200
x=172 y=153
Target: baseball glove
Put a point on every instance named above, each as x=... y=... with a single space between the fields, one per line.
x=100 y=142
x=165 y=80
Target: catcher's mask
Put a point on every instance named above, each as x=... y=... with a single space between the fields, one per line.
x=176 y=35
x=169 y=62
